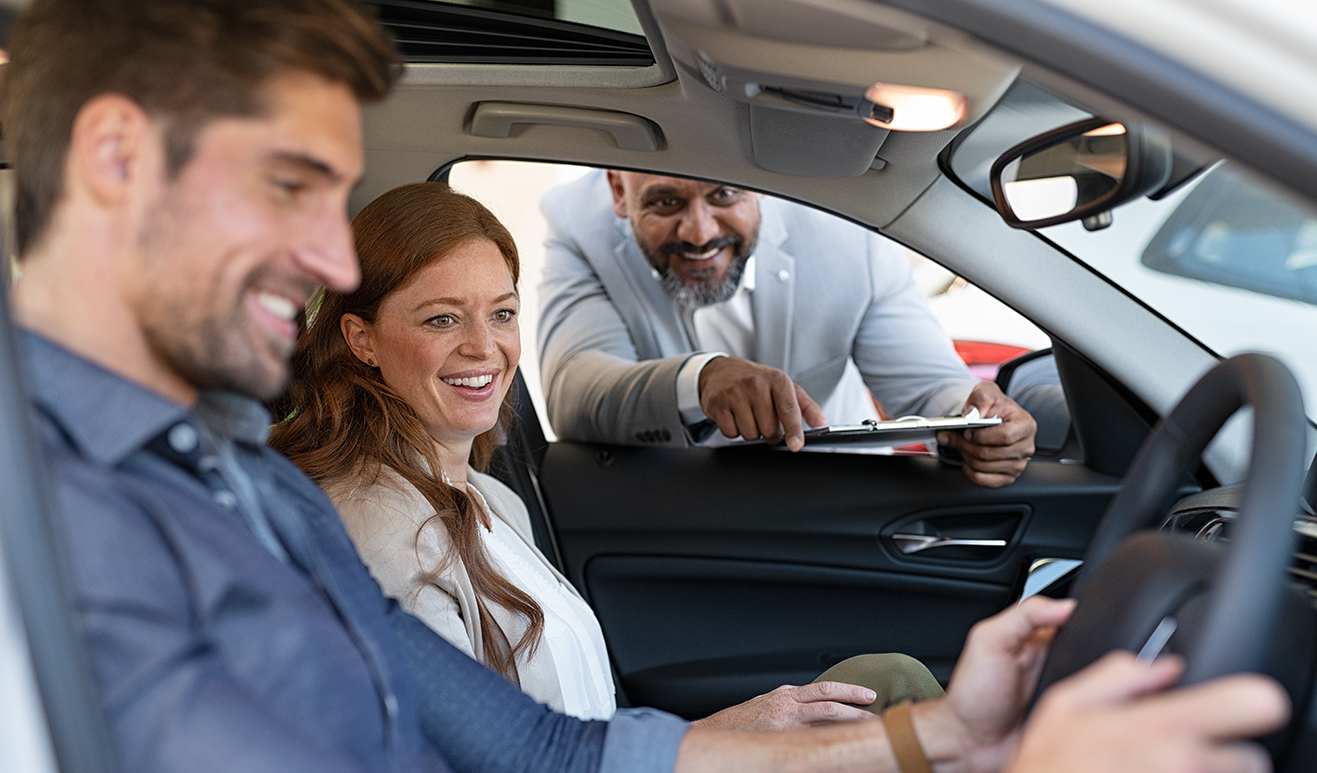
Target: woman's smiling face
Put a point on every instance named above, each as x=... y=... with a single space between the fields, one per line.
x=448 y=342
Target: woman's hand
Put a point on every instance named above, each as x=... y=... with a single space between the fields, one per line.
x=790 y=707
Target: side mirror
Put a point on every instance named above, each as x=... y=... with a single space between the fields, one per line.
x=1079 y=172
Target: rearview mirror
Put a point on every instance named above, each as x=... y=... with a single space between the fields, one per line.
x=1079 y=172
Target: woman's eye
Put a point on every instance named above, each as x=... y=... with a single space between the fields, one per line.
x=442 y=320
x=505 y=315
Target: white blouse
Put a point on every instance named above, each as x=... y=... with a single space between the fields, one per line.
x=569 y=670
x=571 y=631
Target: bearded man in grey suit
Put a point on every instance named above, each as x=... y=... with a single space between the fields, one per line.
x=674 y=306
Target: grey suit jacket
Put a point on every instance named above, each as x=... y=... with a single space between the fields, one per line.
x=611 y=340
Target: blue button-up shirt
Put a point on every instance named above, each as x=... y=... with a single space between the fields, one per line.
x=234 y=628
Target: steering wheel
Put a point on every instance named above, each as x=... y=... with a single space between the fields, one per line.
x=1151 y=592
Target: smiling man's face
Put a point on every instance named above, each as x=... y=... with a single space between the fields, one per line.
x=698 y=235
x=239 y=240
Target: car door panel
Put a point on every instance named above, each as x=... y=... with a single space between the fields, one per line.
x=695 y=635
x=718 y=574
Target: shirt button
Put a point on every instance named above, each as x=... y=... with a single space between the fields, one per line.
x=225 y=499
x=783 y=275
x=182 y=438
x=391 y=706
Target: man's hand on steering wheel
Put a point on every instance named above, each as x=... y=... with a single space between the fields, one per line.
x=1115 y=716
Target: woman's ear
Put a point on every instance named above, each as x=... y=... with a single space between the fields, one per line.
x=357 y=334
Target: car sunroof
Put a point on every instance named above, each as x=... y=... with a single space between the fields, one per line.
x=516 y=32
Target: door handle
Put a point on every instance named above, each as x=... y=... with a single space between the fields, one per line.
x=910 y=544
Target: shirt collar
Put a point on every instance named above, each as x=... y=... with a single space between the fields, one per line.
x=109 y=417
x=231 y=415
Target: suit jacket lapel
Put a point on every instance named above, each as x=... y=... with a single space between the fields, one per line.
x=655 y=322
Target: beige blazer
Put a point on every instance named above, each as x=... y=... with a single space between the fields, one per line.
x=384 y=520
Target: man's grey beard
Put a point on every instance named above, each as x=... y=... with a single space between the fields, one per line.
x=701 y=295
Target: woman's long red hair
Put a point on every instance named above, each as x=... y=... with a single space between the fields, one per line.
x=344 y=422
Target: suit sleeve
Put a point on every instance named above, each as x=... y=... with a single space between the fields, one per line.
x=595 y=387
x=905 y=356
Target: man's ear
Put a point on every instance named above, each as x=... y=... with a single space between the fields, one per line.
x=619 y=193
x=114 y=147
x=357 y=334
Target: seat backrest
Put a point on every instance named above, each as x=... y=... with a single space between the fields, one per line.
x=517 y=464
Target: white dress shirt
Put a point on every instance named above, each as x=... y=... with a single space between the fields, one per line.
x=727 y=329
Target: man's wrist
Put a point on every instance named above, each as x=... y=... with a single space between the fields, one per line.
x=688 y=386
x=943 y=737
x=906 y=747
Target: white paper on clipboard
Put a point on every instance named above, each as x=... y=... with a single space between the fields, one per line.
x=907 y=429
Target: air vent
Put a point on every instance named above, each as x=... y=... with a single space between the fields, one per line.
x=1305 y=558
x=1211 y=525
x=438 y=32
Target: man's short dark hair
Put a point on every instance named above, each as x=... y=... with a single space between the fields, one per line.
x=186 y=62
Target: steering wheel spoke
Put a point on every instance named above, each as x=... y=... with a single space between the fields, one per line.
x=1230 y=607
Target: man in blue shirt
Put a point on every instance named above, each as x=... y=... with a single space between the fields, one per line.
x=182 y=174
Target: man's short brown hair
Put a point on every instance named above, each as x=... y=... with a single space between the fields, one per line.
x=186 y=62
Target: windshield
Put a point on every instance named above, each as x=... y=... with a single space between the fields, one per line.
x=1227 y=257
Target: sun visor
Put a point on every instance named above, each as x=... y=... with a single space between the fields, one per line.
x=808 y=71
x=807 y=145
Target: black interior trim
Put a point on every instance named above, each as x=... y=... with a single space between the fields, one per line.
x=517 y=464
x=1109 y=421
x=749 y=503
x=440 y=32
x=441 y=174
x=693 y=635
